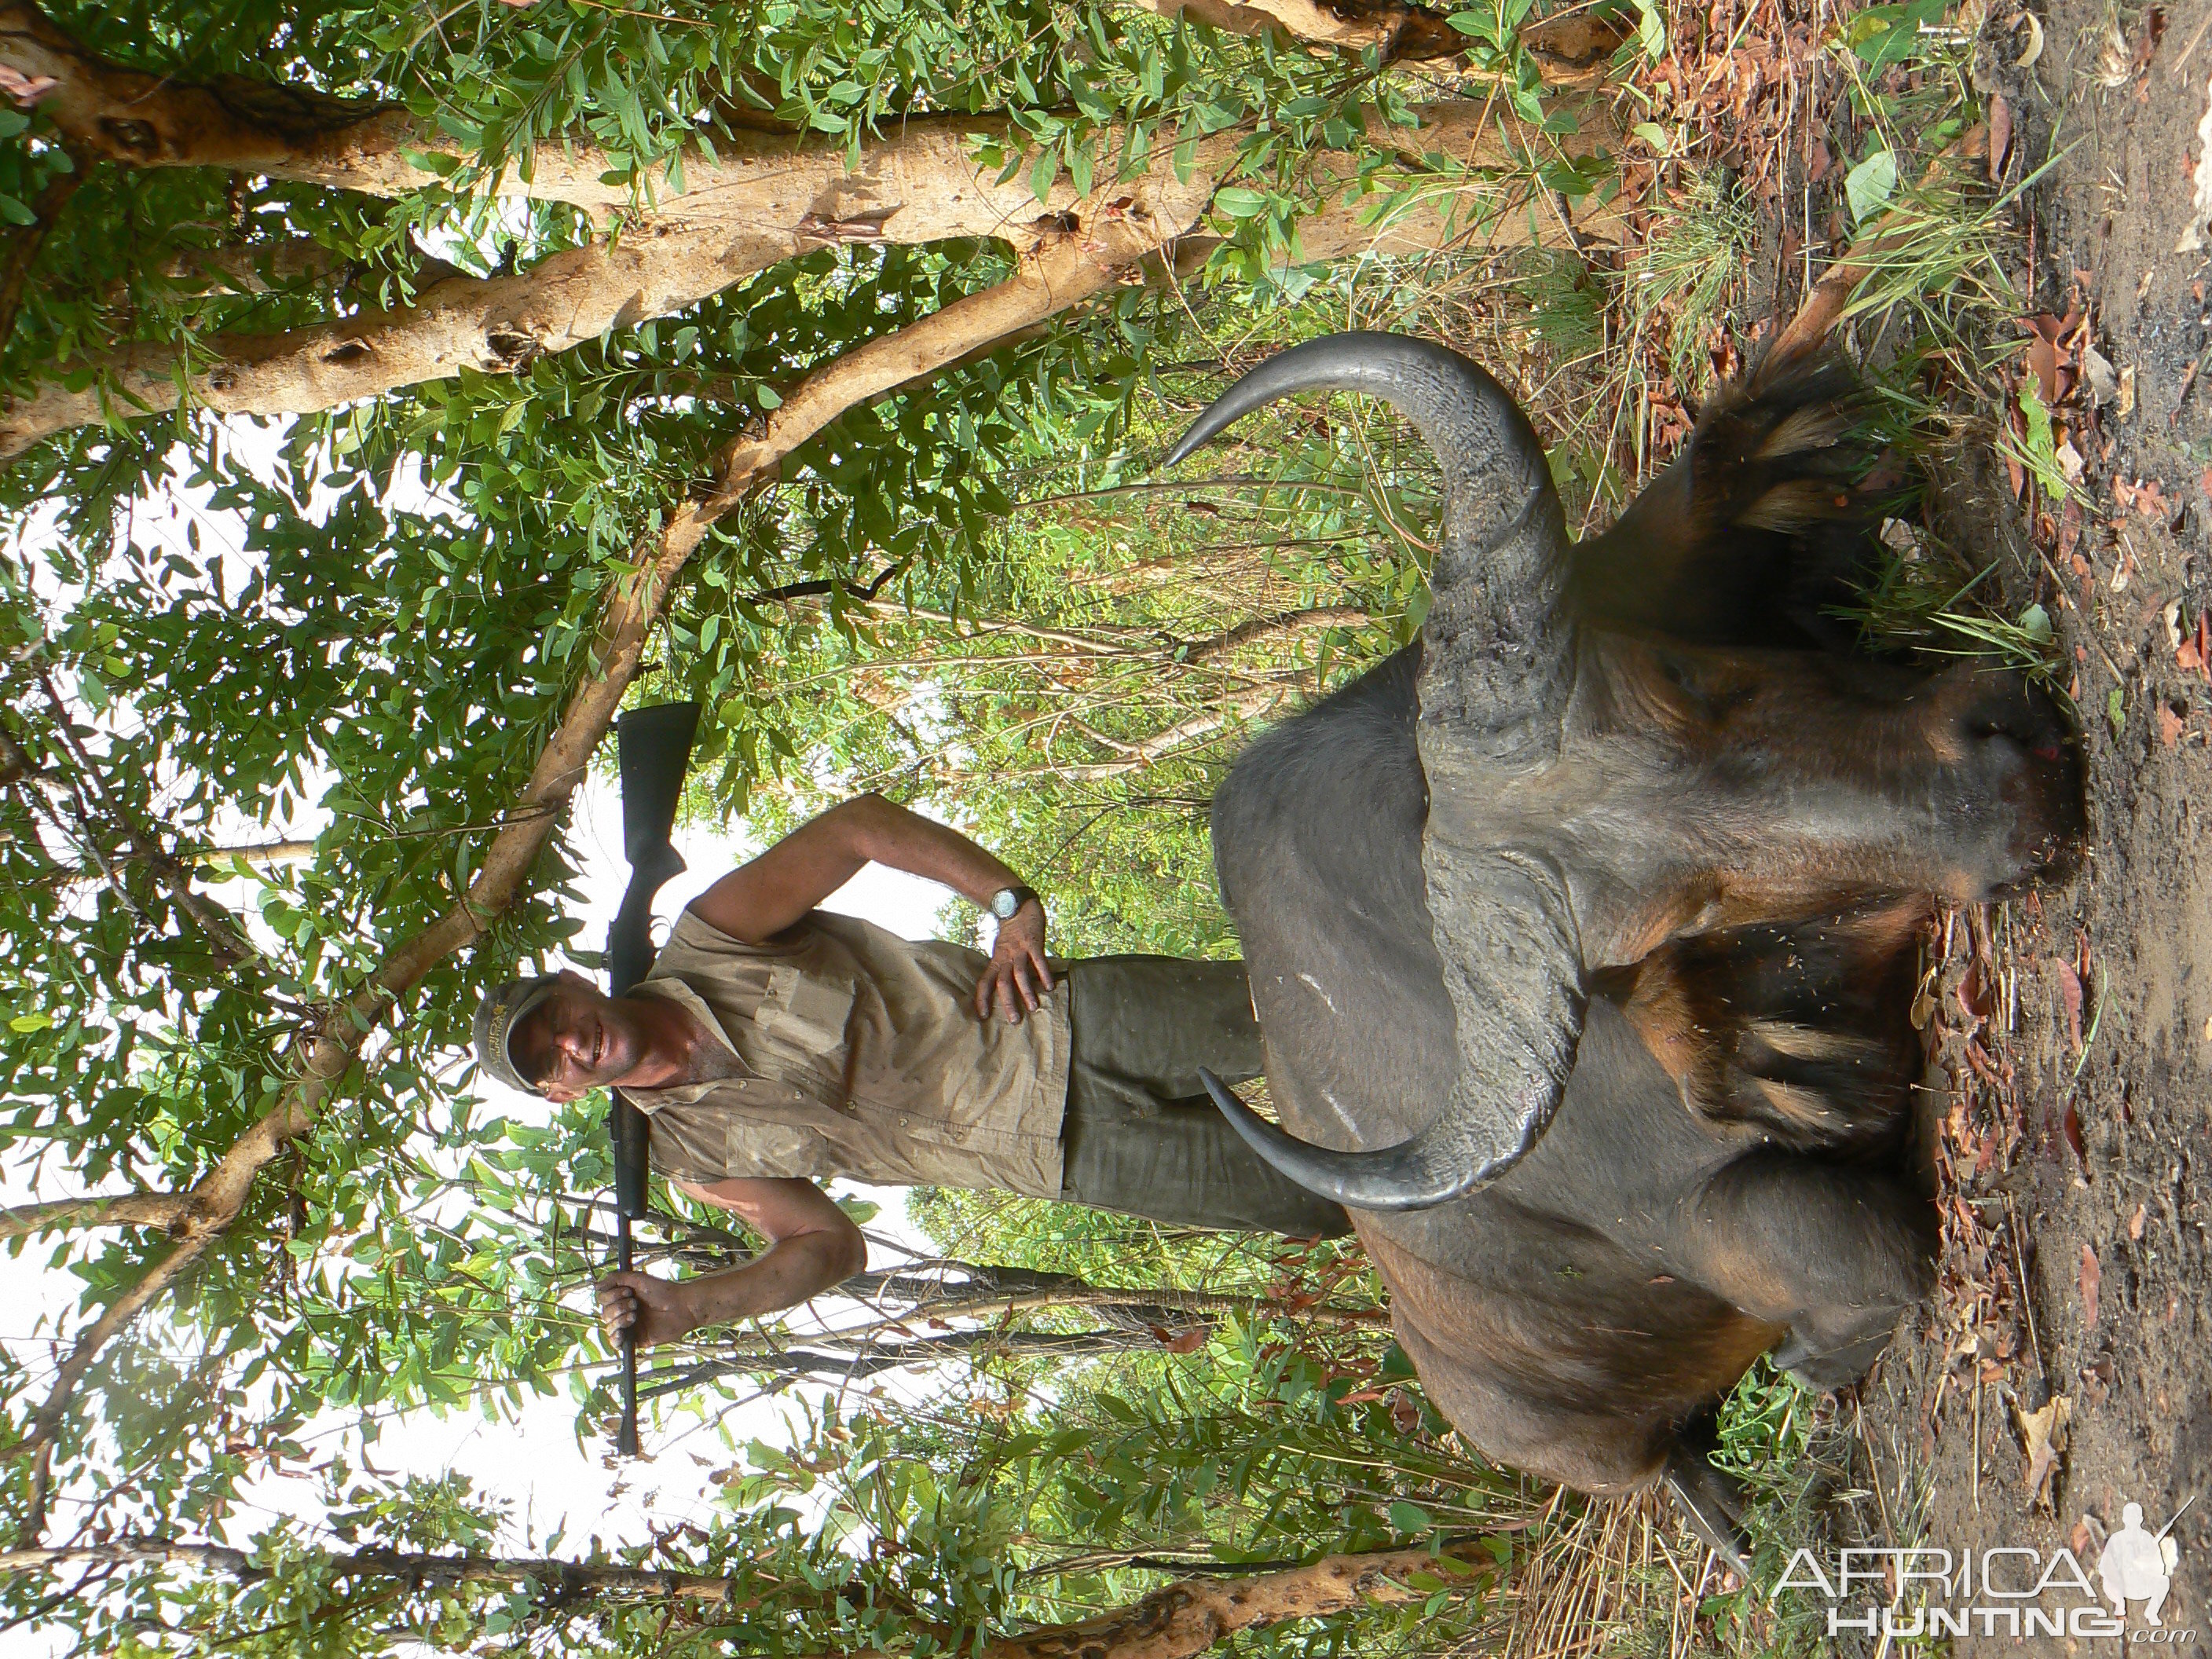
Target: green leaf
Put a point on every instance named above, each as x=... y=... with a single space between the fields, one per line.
x=1410 y=1517
x=1239 y=202
x=1868 y=186
x=27 y=1023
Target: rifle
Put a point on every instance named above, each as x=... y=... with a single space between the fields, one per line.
x=652 y=748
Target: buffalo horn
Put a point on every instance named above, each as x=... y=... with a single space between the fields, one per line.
x=1452 y=1156
x=1497 y=656
x=1498 y=633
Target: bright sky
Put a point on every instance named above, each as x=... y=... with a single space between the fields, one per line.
x=535 y=1462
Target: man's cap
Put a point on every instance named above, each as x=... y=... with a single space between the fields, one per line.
x=503 y=1009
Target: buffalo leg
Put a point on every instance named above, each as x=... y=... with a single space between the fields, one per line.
x=1709 y=1500
x=1832 y=1252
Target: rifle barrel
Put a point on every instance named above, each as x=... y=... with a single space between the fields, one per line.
x=652 y=748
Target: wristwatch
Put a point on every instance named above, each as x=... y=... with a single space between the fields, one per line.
x=1008 y=900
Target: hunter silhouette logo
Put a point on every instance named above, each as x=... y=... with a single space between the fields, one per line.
x=1925 y=1590
x=2138 y=1565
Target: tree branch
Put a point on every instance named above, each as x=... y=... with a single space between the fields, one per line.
x=23 y=245
x=1179 y=1621
x=306 y=137
x=224 y=934
x=1260 y=628
x=118 y=1210
x=1570 y=51
x=495 y=325
x=921 y=184
x=570 y=1578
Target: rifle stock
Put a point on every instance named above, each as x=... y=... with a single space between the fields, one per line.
x=652 y=747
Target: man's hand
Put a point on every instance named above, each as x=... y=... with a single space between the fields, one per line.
x=659 y=1309
x=1016 y=979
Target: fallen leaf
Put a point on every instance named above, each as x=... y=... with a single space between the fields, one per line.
x=2097 y=369
x=2135 y=1222
x=1189 y=1341
x=2091 y=1277
x=2153 y=30
x=2071 y=1127
x=2189 y=652
x=2043 y=1434
x=2097 y=1381
x=2000 y=135
x=2170 y=727
x=2045 y=356
x=2070 y=997
x=2070 y=461
x=25 y=89
x=2126 y=406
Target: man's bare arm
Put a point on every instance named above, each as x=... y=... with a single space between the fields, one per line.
x=813 y=1247
x=760 y=899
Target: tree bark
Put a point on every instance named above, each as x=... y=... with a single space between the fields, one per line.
x=1572 y=51
x=118 y=1210
x=414 y=1566
x=920 y=186
x=295 y=134
x=1179 y=1621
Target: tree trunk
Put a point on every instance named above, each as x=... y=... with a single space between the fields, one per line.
x=1179 y=1621
x=921 y=185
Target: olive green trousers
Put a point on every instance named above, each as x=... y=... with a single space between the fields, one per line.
x=1141 y=1136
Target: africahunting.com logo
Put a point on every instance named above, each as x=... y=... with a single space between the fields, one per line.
x=2004 y=1591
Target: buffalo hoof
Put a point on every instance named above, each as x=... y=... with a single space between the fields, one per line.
x=1710 y=1501
x=1836 y=1368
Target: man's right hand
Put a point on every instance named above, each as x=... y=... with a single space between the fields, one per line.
x=659 y=1309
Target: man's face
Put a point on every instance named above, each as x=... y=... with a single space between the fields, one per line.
x=579 y=1039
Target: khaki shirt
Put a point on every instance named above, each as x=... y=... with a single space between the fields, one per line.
x=862 y=1057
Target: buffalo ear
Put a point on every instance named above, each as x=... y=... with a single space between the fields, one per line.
x=1513 y=975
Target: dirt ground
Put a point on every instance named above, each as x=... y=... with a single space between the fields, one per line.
x=2073 y=1028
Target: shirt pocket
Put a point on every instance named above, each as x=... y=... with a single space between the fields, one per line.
x=805 y=1017
x=781 y=1152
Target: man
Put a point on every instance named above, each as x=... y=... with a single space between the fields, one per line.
x=774 y=1045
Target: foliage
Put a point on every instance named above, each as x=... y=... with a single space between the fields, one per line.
x=363 y=624
x=973 y=592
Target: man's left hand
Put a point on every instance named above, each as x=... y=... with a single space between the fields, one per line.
x=1016 y=979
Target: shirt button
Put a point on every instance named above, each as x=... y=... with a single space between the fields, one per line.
x=902 y=1123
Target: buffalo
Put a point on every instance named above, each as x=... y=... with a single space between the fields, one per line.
x=1583 y=932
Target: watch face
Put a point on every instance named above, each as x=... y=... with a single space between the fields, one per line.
x=1005 y=902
